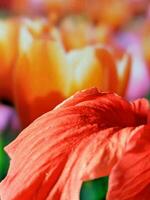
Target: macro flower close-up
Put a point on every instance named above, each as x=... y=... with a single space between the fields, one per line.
x=74 y=100
x=90 y=135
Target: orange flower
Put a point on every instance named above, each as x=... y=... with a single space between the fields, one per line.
x=9 y=46
x=42 y=74
x=90 y=135
x=38 y=79
x=10 y=30
x=45 y=74
x=8 y=53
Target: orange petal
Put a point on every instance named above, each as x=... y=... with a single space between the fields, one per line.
x=62 y=74
x=39 y=76
x=124 y=70
x=86 y=70
x=110 y=79
x=8 y=52
x=74 y=32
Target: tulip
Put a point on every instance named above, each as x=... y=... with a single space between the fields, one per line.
x=90 y=135
x=9 y=43
x=39 y=75
x=45 y=74
x=10 y=31
x=39 y=56
x=8 y=54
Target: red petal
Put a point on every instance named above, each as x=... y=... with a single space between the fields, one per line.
x=107 y=109
x=130 y=178
x=94 y=157
x=141 y=108
x=75 y=142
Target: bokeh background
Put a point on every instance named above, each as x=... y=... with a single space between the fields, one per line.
x=36 y=35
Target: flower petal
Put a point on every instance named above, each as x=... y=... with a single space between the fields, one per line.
x=109 y=69
x=79 y=140
x=8 y=39
x=130 y=178
x=141 y=108
x=124 y=69
x=30 y=75
x=98 y=154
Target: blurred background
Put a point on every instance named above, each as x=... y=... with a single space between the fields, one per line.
x=49 y=49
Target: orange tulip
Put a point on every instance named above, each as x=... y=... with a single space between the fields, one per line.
x=45 y=74
x=8 y=53
x=42 y=74
x=39 y=74
x=9 y=43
